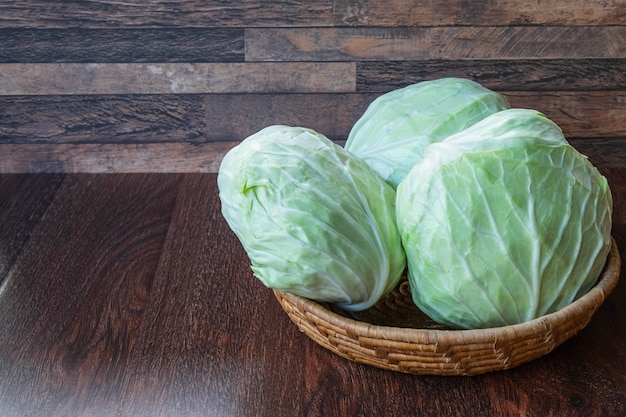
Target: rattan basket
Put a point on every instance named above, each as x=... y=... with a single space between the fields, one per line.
x=395 y=335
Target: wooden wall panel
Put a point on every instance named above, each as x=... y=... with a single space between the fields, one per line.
x=104 y=86
x=163 y=14
x=589 y=114
x=391 y=13
x=112 y=157
x=171 y=118
x=203 y=157
x=151 y=139
x=250 y=13
x=451 y=43
x=526 y=75
x=168 y=78
x=102 y=119
x=232 y=117
x=122 y=45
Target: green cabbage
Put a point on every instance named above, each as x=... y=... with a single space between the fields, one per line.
x=503 y=222
x=314 y=220
x=397 y=127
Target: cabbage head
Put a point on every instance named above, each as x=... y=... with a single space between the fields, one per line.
x=314 y=220
x=397 y=127
x=503 y=222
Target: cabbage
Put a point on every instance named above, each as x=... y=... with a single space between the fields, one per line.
x=314 y=220
x=397 y=127
x=503 y=222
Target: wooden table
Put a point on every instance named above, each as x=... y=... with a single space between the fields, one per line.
x=122 y=290
x=127 y=294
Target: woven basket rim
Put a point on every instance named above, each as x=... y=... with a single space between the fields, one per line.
x=589 y=302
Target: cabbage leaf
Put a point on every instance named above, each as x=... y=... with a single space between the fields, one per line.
x=396 y=128
x=314 y=220
x=503 y=222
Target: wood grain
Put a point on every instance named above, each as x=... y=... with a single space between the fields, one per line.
x=162 y=14
x=192 y=133
x=232 y=117
x=589 y=114
x=131 y=296
x=478 y=13
x=139 y=79
x=499 y=75
x=188 y=294
x=21 y=45
x=77 y=320
x=330 y=114
x=169 y=78
x=20 y=196
x=115 y=119
x=452 y=43
x=102 y=119
x=194 y=158
x=602 y=152
x=194 y=13
x=111 y=158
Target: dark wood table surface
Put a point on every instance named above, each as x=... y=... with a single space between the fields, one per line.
x=127 y=294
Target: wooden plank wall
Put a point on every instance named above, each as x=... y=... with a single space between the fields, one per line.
x=162 y=86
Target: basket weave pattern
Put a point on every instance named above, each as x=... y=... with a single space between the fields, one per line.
x=395 y=335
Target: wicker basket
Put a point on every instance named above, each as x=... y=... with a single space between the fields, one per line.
x=395 y=335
